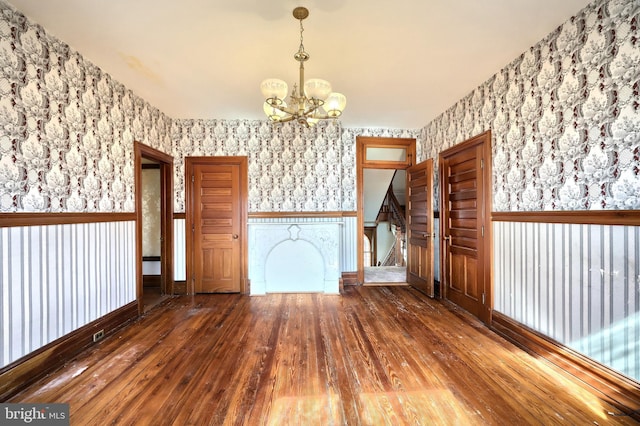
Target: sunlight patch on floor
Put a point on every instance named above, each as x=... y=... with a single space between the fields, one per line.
x=416 y=407
x=306 y=410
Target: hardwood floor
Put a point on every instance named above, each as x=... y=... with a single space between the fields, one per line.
x=371 y=356
x=152 y=297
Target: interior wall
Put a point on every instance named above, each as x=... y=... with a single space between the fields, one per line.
x=68 y=127
x=151 y=221
x=565 y=136
x=58 y=278
x=291 y=168
x=66 y=145
x=578 y=284
x=563 y=116
x=384 y=240
x=151 y=232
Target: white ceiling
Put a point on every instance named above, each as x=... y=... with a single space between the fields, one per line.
x=400 y=63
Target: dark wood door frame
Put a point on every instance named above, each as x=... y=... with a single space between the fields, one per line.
x=166 y=217
x=485 y=253
x=242 y=161
x=362 y=142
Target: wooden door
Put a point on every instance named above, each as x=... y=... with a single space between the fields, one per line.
x=419 y=206
x=218 y=224
x=466 y=196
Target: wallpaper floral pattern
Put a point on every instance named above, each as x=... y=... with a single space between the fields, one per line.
x=291 y=168
x=66 y=127
x=564 y=117
x=67 y=131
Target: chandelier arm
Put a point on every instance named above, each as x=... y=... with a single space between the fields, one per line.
x=287 y=118
x=274 y=102
x=310 y=110
x=284 y=109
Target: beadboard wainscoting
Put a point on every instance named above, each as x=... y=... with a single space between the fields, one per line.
x=58 y=278
x=179 y=250
x=578 y=284
x=288 y=255
x=436 y=249
x=349 y=253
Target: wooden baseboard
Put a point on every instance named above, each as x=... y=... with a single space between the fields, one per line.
x=152 y=280
x=179 y=287
x=607 y=384
x=26 y=370
x=350 y=278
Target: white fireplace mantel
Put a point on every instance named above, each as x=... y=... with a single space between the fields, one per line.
x=294 y=257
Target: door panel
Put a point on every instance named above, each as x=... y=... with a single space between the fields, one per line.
x=217 y=228
x=464 y=247
x=419 y=206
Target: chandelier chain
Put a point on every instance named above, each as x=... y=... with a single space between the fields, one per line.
x=301 y=39
x=301 y=55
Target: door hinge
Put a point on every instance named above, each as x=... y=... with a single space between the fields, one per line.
x=483 y=298
x=193 y=178
x=482 y=230
x=482 y=163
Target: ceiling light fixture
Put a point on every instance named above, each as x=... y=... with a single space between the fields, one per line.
x=309 y=102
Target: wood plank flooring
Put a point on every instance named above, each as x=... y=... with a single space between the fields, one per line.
x=372 y=356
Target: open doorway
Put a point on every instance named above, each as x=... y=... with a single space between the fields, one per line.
x=381 y=185
x=384 y=226
x=154 y=227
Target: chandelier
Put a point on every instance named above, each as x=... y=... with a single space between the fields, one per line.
x=310 y=101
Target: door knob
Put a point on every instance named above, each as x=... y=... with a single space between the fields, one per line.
x=235 y=236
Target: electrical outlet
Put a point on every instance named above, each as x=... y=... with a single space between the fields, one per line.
x=98 y=335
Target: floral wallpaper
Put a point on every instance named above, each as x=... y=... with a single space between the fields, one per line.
x=67 y=131
x=66 y=127
x=564 y=117
x=291 y=168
